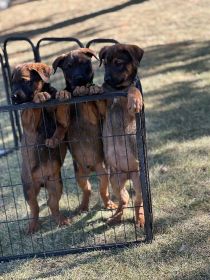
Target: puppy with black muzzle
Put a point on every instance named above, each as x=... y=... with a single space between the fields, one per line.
x=43 y=130
x=84 y=134
x=121 y=62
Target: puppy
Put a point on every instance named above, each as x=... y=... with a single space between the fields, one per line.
x=84 y=133
x=121 y=62
x=43 y=130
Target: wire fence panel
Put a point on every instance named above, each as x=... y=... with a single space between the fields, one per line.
x=36 y=177
x=86 y=229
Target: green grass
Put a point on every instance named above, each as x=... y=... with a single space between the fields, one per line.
x=175 y=75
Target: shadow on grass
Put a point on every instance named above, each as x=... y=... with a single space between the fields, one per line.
x=164 y=254
x=181 y=113
x=72 y=21
x=188 y=56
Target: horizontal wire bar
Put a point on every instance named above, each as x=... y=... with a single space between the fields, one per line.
x=78 y=140
x=73 y=100
x=76 y=250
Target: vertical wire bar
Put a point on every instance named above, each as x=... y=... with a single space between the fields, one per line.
x=144 y=182
x=50 y=159
x=101 y=139
x=77 y=121
x=30 y=166
x=18 y=161
x=6 y=86
x=36 y=147
x=13 y=193
x=7 y=222
x=64 y=142
x=116 y=173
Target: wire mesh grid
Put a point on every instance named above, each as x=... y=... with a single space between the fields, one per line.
x=87 y=229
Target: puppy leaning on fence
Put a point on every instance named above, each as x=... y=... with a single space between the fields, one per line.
x=42 y=149
x=119 y=126
x=84 y=133
x=121 y=63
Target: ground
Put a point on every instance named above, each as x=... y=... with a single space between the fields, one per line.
x=175 y=74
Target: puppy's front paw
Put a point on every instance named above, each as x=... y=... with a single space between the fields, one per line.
x=135 y=100
x=81 y=91
x=63 y=95
x=41 y=97
x=52 y=142
x=95 y=90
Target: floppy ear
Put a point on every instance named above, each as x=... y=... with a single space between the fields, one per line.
x=88 y=52
x=58 y=62
x=102 y=54
x=43 y=70
x=135 y=52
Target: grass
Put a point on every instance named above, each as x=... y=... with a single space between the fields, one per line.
x=175 y=75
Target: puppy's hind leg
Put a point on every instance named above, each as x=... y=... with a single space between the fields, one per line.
x=31 y=192
x=139 y=209
x=84 y=184
x=54 y=187
x=104 y=186
x=118 y=185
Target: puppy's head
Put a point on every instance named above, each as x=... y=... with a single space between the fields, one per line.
x=29 y=79
x=121 y=62
x=76 y=66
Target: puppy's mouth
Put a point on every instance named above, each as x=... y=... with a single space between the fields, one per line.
x=118 y=84
x=79 y=81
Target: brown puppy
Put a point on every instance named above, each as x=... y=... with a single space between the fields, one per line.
x=84 y=134
x=43 y=130
x=121 y=62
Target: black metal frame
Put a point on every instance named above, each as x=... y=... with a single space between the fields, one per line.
x=140 y=137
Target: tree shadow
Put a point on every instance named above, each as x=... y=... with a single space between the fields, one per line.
x=184 y=105
x=21 y=2
x=194 y=56
x=72 y=21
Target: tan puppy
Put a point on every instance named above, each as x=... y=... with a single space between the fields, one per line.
x=119 y=129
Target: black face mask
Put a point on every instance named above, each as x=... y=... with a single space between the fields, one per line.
x=22 y=91
x=79 y=74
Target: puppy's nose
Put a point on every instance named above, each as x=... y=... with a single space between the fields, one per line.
x=17 y=95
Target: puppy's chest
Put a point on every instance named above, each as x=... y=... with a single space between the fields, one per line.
x=117 y=118
x=47 y=125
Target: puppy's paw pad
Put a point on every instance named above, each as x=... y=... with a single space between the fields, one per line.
x=63 y=95
x=135 y=104
x=33 y=227
x=82 y=208
x=64 y=221
x=41 y=97
x=51 y=142
x=95 y=90
x=140 y=222
x=111 y=205
x=80 y=91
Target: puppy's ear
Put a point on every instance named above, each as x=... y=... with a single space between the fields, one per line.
x=102 y=54
x=58 y=62
x=88 y=52
x=135 y=52
x=43 y=70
